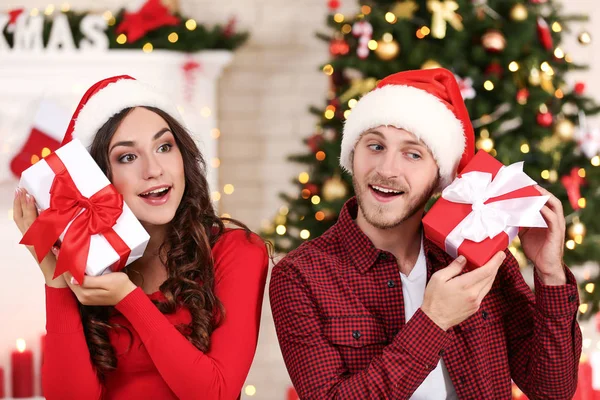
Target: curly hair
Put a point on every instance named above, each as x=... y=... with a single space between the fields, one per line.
x=185 y=252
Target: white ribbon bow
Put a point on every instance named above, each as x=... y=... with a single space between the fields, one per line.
x=489 y=220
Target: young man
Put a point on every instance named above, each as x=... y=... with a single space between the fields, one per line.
x=373 y=310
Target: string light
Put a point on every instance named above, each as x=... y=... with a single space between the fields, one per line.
x=347 y=113
x=581 y=172
x=596 y=161
x=513 y=66
x=304 y=234
x=556 y=27
x=329 y=113
x=216 y=196
x=107 y=15
x=122 y=39
x=280 y=230
x=34 y=12
x=319 y=215
x=583 y=309
x=215 y=163
x=173 y=37
x=148 y=48
x=525 y=148
x=391 y=17
x=65 y=7
x=250 y=390
x=190 y=24
x=589 y=287
x=315 y=200
x=570 y=244
x=303 y=177
x=346 y=29
x=582 y=203
x=49 y=9
x=339 y=18
x=545 y=174
x=568 y=58
x=559 y=94
x=352 y=103
x=228 y=189
x=365 y=10
x=328 y=69
x=559 y=53
x=372 y=45
x=215 y=133
x=488 y=85
x=320 y=156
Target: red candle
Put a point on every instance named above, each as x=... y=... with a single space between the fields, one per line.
x=1 y=383
x=42 y=351
x=22 y=371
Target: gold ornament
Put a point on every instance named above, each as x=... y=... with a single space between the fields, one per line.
x=493 y=40
x=387 y=48
x=519 y=12
x=334 y=189
x=577 y=229
x=405 y=9
x=358 y=87
x=430 y=64
x=564 y=130
x=443 y=12
x=546 y=83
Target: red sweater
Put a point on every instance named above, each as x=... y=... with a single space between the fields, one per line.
x=160 y=363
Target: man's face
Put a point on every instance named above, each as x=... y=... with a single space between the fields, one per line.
x=394 y=175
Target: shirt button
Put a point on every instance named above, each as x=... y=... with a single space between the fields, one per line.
x=383 y=256
x=356 y=335
x=572 y=298
x=391 y=283
x=484 y=314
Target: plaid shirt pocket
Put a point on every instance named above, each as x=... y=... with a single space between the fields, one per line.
x=357 y=339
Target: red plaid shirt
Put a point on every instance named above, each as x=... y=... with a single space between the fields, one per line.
x=338 y=308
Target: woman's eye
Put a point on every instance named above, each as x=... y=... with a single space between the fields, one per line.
x=127 y=158
x=164 y=148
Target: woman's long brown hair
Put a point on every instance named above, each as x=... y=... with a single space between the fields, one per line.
x=186 y=251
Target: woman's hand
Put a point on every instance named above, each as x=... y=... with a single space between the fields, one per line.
x=24 y=213
x=105 y=290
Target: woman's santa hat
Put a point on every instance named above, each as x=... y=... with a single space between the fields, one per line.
x=107 y=98
x=427 y=103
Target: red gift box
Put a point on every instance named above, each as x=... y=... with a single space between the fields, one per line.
x=480 y=213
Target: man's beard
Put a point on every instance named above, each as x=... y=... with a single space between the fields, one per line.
x=376 y=216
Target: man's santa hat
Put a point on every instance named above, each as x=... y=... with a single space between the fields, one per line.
x=427 y=103
x=107 y=98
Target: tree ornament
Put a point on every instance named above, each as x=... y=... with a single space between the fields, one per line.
x=358 y=87
x=544 y=34
x=544 y=119
x=314 y=142
x=364 y=31
x=405 y=9
x=333 y=4
x=444 y=12
x=565 y=130
x=493 y=41
x=494 y=69
x=587 y=138
x=339 y=47
x=466 y=87
x=519 y=12
x=549 y=144
x=572 y=184
x=387 y=48
x=534 y=77
x=430 y=64
x=522 y=96
x=579 y=88
x=312 y=188
x=334 y=189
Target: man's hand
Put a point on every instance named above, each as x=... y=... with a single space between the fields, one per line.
x=450 y=299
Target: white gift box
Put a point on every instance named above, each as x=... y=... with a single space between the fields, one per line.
x=89 y=179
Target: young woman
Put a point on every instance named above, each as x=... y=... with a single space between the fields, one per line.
x=181 y=321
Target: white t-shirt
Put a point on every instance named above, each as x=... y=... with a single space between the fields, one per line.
x=437 y=385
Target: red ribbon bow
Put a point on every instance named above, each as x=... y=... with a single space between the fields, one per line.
x=151 y=16
x=572 y=184
x=90 y=216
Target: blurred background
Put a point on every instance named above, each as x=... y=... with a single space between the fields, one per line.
x=260 y=81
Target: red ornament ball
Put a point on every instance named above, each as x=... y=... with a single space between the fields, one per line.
x=339 y=47
x=579 y=87
x=333 y=4
x=312 y=188
x=522 y=96
x=545 y=119
x=494 y=69
x=314 y=142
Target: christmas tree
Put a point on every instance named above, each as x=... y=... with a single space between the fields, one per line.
x=507 y=58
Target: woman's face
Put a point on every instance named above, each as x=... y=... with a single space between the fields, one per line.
x=147 y=167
